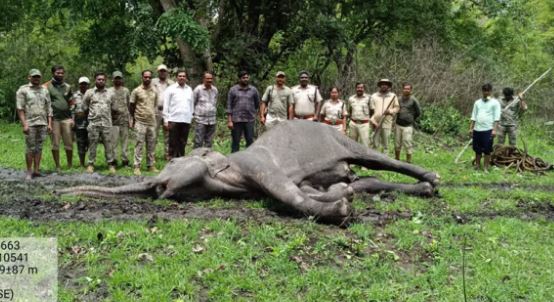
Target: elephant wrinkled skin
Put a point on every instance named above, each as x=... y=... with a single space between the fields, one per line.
x=302 y=164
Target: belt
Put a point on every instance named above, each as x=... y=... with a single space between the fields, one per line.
x=360 y=121
x=335 y=122
x=304 y=117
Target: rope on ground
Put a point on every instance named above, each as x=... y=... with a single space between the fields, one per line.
x=513 y=157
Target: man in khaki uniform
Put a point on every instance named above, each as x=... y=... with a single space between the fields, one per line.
x=306 y=100
x=35 y=113
x=384 y=104
x=160 y=84
x=120 y=117
x=359 y=113
x=62 y=124
x=275 y=102
x=99 y=103
x=144 y=101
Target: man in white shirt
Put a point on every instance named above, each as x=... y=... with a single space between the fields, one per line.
x=178 y=108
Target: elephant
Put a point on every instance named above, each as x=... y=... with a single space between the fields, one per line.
x=302 y=164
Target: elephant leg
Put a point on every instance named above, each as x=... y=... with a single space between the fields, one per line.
x=374 y=160
x=283 y=189
x=374 y=185
x=335 y=192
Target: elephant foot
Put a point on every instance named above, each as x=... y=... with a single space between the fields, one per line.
x=339 y=212
x=432 y=178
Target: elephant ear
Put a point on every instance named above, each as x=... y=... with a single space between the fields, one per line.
x=215 y=161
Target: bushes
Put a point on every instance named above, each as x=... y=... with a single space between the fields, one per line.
x=442 y=119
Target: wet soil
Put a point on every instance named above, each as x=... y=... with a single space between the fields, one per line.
x=35 y=200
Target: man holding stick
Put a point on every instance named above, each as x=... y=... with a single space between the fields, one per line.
x=384 y=104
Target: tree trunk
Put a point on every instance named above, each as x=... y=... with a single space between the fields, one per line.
x=190 y=60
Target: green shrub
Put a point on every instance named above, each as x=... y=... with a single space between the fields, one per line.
x=442 y=119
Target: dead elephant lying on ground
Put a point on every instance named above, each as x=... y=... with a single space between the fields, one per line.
x=302 y=164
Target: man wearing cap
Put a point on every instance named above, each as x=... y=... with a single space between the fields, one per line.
x=177 y=112
x=62 y=124
x=359 y=113
x=384 y=104
x=99 y=103
x=120 y=117
x=407 y=115
x=306 y=100
x=80 y=116
x=160 y=84
x=144 y=102
x=35 y=113
x=205 y=108
x=243 y=102
x=275 y=102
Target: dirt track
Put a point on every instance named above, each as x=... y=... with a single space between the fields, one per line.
x=34 y=200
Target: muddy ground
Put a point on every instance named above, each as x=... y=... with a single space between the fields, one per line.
x=35 y=200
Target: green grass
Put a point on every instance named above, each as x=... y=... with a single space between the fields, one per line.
x=416 y=256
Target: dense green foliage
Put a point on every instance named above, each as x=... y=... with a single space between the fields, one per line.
x=447 y=49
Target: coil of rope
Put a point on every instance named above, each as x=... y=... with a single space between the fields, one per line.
x=511 y=156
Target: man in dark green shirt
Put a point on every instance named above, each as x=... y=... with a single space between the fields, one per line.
x=408 y=114
x=62 y=123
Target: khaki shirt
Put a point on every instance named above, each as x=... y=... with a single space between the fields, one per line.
x=35 y=102
x=379 y=103
x=120 y=113
x=160 y=88
x=333 y=111
x=304 y=99
x=279 y=102
x=359 y=107
x=100 y=105
x=145 y=100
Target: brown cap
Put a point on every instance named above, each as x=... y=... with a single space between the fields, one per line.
x=384 y=81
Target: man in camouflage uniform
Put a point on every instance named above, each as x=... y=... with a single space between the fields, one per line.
x=35 y=113
x=384 y=104
x=99 y=103
x=120 y=117
x=160 y=84
x=509 y=117
x=80 y=116
x=306 y=100
x=359 y=113
x=62 y=124
x=275 y=102
x=143 y=104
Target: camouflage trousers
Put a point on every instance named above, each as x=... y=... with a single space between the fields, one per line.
x=81 y=136
x=403 y=137
x=510 y=131
x=160 y=124
x=145 y=134
x=381 y=138
x=120 y=133
x=95 y=134
x=34 y=139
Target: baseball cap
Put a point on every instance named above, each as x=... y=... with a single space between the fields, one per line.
x=117 y=74
x=303 y=72
x=84 y=80
x=384 y=81
x=280 y=74
x=161 y=67
x=35 y=72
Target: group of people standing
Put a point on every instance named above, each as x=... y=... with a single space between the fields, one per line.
x=105 y=115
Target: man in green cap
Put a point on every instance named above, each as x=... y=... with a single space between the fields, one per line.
x=35 y=113
x=120 y=117
x=62 y=124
